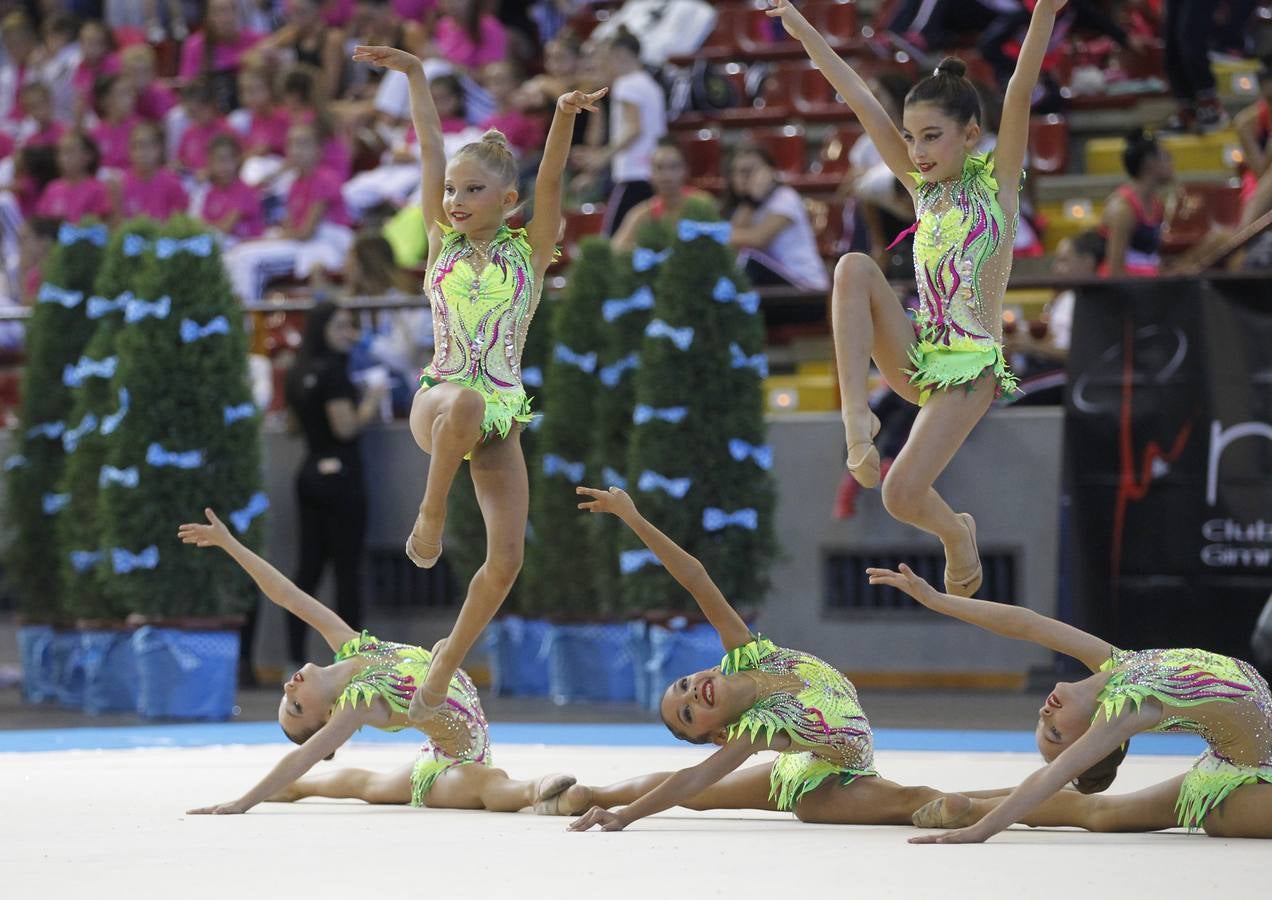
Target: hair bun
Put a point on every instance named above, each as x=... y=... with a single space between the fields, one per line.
x=496 y=137
x=1137 y=135
x=952 y=65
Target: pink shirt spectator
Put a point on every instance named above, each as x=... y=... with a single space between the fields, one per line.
x=160 y=196
x=225 y=57
x=267 y=135
x=85 y=77
x=7 y=145
x=412 y=10
x=155 y=101
x=112 y=141
x=337 y=13
x=455 y=45
x=71 y=202
x=523 y=132
x=48 y=136
x=221 y=200
x=192 y=151
x=320 y=186
x=336 y=158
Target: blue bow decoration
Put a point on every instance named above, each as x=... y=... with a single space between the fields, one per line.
x=583 y=361
x=716 y=519
x=726 y=291
x=688 y=230
x=613 y=373
x=137 y=309
x=611 y=476
x=199 y=245
x=681 y=337
x=157 y=456
x=192 y=331
x=242 y=518
x=111 y=422
x=123 y=477
x=644 y=259
x=630 y=561
x=83 y=560
x=16 y=461
x=651 y=481
x=758 y=362
x=74 y=376
x=70 y=234
x=243 y=411
x=536 y=423
x=532 y=376
x=100 y=306
x=556 y=465
x=762 y=454
x=51 y=293
x=124 y=562
x=671 y=414
x=135 y=245
x=51 y=430
x=71 y=436
x=54 y=503
x=643 y=298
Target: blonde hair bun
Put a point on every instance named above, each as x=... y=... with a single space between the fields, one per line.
x=496 y=137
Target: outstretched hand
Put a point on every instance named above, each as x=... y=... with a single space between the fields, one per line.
x=970 y=835
x=576 y=102
x=214 y=534
x=905 y=581
x=792 y=19
x=234 y=808
x=615 y=501
x=386 y=57
x=596 y=816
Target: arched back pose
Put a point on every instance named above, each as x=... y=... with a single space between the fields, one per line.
x=371 y=682
x=1083 y=729
x=761 y=697
x=484 y=281
x=950 y=361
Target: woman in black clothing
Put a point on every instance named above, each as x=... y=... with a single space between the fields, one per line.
x=330 y=495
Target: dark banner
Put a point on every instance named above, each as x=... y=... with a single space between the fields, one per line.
x=1168 y=463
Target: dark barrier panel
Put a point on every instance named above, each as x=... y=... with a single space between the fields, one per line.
x=1168 y=462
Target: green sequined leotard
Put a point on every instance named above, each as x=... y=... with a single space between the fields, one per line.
x=393 y=671
x=480 y=321
x=1221 y=699
x=828 y=731
x=963 y=245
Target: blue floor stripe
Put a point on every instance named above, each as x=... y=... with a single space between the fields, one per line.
x=569 y=735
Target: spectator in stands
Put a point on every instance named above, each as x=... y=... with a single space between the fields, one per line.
x=305 y=105
x=203 y=122
x=97 y=59
x=1135 y=213
x=34 y=169
x=308 y=40
x=77 y=192
x=637 y=120
x=39 y=128
x=560 y=75
x=60 y=57
x=771 y=229
x=1037 y=347
x=228 y=204
x=38 y=236
x=116 y=104
x=154 y=99
x=315 y=234
x=148 y=188
x=467 y=36
x=525 y=131
x=19 y=65
x=1188 y=27
x=670 y=177
x=260 y=122
x=216 y=51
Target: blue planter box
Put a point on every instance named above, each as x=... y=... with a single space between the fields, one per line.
x=109 y=663
x=186 y=674
x=35 y=644
x=67 y=669
x=638 y=646
x=518 y=656
x=679 y=651
x=590 y=663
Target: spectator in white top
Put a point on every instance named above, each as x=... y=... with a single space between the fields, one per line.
x=771 y=229
x=638 y=118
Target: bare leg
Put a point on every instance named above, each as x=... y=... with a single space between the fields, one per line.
x=940 y=429
x=503 y=493
x=1245 y=813
x=868 y=321
x=745 y=789
x=868 y=800
x=446 y=423
x=477 y=787
x=393 y=788
x=1151 y=809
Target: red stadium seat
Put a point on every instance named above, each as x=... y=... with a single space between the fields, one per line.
x=833 y=157
x=838 y=21
x=582 y=222
x=1049 y=144
x=1204 y=207
x=703 y=152
x=787 y=146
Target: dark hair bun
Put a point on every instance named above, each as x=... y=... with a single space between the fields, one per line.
x=1097 y=779
x=952 y=66
x=1136 y=135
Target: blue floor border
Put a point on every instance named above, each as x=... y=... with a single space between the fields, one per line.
x=560 y=734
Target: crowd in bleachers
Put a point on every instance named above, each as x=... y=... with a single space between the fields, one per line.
x=250 y=114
